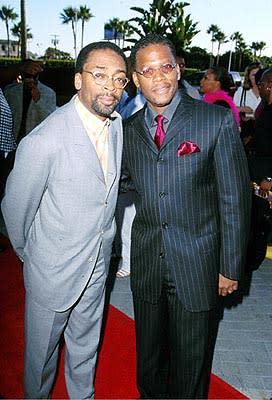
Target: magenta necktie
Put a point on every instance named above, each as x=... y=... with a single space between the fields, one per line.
x=159 y=134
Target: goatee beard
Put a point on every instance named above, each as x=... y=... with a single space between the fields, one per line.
x=102 y=110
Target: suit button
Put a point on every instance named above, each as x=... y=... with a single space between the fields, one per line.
x=162 y=195
x=160 y=159
x=165 y=225
x=162 y=255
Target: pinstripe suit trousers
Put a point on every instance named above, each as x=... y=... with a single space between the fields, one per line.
x=174 y=347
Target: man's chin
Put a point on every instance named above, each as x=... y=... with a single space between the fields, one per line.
x=105 y=111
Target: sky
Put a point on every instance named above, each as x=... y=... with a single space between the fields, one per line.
x=251 y=19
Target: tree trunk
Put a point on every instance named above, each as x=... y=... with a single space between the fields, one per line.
x=23 y=31
x=82 y=34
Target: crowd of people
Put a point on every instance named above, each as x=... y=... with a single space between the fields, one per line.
x=172 y=166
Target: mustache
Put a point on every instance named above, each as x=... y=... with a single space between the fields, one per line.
x=109 y=94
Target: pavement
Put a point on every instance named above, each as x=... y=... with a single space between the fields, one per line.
x=243 y=351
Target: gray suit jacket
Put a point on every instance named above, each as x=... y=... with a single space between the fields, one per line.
x=37 y=111
x=192 y=211
x=58 y=209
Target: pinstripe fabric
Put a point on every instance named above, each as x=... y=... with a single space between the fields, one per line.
x=192 y=211
x=174 y=347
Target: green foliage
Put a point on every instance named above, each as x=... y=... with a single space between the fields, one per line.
x=166 y=18
x=6 y=61
x=196 y=57
x=53 y=53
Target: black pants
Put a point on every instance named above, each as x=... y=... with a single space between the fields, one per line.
x=174 y=348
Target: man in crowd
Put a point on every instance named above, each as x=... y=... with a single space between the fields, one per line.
x=59 y=212
x=186 y=163
x=183 y=84
x=30 y=100
x=261 y=163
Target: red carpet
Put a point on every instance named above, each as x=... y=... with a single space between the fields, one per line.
x=115 y=377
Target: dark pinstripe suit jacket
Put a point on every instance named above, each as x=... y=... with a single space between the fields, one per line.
x=192 y=211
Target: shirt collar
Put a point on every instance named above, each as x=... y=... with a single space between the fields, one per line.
x=168 y=113
x=84 y=114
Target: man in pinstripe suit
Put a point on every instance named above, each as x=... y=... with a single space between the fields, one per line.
x=189 y=233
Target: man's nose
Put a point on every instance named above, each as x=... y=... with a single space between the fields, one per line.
x=110 y=84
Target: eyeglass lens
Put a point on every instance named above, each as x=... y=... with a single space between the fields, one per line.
x=165 y=69
x=100 y=78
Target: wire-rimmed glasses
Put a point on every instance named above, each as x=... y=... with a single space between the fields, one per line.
x=120 y=81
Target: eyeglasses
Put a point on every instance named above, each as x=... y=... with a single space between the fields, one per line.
x=119 y=82
x=182 y=65
x=165 y=69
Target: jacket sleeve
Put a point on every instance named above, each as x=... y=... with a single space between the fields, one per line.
x=234 y=197
x=24 y=190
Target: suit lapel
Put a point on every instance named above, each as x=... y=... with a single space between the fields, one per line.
x=142 y=130
x=180 y=120
x=83 y=143
x=178 y=125
x=112 y=167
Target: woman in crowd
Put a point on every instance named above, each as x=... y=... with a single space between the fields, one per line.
x=247 y=98
x=215 y=86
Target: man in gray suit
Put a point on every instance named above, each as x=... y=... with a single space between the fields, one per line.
x=190 y=229
x=59 y=212
x=30 y=100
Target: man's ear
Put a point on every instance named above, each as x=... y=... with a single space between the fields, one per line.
x=78 y=81
x=178 y=71
x=135 y=80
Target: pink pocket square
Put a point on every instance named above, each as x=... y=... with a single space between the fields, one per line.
x=187 y=148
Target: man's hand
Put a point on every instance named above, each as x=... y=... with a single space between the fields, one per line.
x=226 y=286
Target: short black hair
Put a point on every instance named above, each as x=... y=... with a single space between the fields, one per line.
x=221 y=74
x=152 y=38
x=267 y=74
x=84 y=53
x=260 y=73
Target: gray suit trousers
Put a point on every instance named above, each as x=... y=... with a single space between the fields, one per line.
x=81 y=326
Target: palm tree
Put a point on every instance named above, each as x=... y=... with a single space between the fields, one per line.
x=68 y=15
x=241 y=48
x=8 y=14
x=154 y=20
x=125 y=30
x=254 y=47
x=262 y=46
x=114 y=25
x=166 y=18
x=85 y=15
x=16 y=31
x=120 y=29
x=183 y=29
x=213 y=29
x=220 y=38
x=234 y=38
